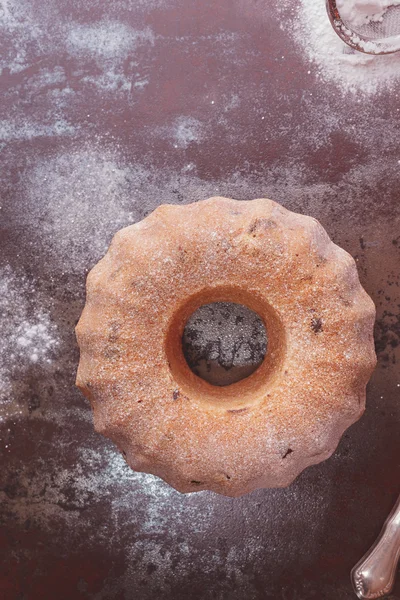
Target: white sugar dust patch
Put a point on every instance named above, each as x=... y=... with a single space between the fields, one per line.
x=182 y=132
x=57 y=492
x=106 y=41
x=17 y=129
x=110 y=44
x=19 y=30
x=81 y=198
x=28 y=337
x=28 y=32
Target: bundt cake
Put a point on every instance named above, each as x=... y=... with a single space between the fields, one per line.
x=265 y=429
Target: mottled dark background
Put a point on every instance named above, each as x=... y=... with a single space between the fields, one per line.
x=108 y=110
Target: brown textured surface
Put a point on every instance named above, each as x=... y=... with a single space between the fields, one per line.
x=76 y=523
x=264 y=430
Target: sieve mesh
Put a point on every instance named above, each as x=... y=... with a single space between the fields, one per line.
x=386 y=27
x=374 y=37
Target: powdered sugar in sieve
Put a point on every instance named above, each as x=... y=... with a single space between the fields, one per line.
x=369 y=26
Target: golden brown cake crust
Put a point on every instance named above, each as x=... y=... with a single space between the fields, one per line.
x=264 y=430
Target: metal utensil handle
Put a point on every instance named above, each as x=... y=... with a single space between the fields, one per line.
x=373 y=576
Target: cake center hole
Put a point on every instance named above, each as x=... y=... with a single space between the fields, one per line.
x=224 y=342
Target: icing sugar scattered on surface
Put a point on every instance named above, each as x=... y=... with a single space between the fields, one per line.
x=20 y=30
x=110 y=44
x=96 y=499
x=82 y=198
x=187 y=130
x=30 y=31
x=49 y=83
x=106 y=40
x=101 y=476
x=117 y=7
x=17 y=130
x=27 y=337
x=335 y=62
x=184 y=131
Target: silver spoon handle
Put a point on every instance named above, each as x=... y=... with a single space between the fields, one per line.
x=373 y=576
